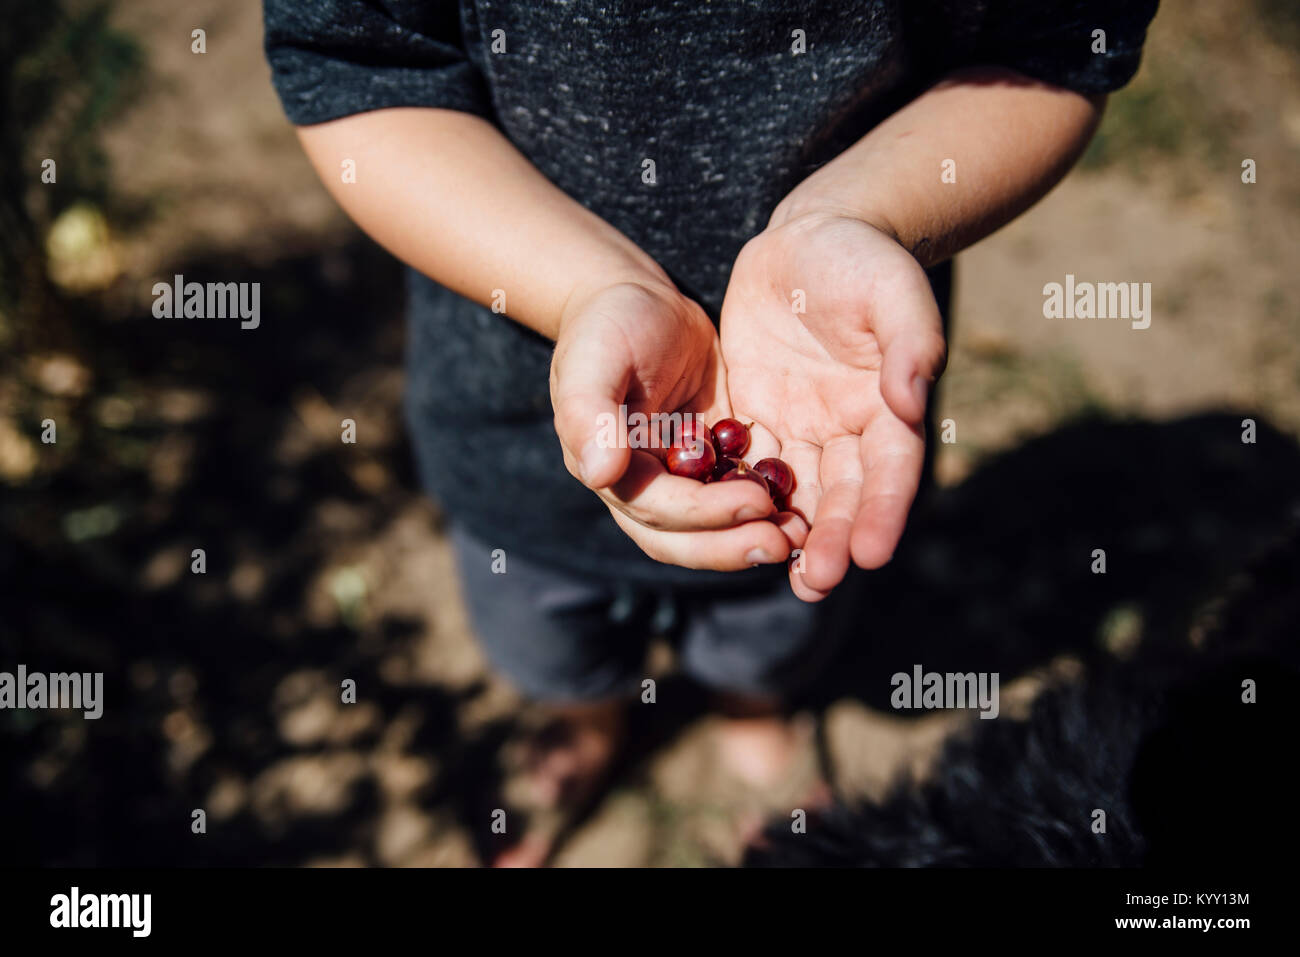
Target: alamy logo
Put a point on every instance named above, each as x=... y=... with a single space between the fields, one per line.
x=933 y=690
x=1102 y=300
x=214 y=300
x=636 y=430
x=79 y=691
x=74 y=909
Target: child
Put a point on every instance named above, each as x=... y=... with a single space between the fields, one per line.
x=719 y=208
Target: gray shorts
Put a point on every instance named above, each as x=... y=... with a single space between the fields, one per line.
x=559 y=636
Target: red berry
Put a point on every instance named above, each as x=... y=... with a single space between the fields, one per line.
x=692 y=461
x=743 y=471
x=744 y=474
x=724 y=466
x=692 y=428
x=778 y=476
x=731 y=437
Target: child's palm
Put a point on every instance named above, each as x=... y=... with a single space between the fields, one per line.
x=826 y=323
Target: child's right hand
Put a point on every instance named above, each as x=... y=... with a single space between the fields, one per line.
x=646 y=346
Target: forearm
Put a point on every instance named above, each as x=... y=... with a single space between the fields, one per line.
x=447 y=193
x=1010 y=140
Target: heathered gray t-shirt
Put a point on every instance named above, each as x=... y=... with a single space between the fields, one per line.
x=734 y=102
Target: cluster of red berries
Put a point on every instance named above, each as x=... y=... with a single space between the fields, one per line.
x=714 y=455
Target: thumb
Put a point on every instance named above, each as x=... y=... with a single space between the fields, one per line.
x=914 y=353
x=589 y=380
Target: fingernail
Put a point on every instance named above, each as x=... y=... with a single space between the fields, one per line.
x=747 y=513
x=589 y=460
x=920 y=389
x=756 y=556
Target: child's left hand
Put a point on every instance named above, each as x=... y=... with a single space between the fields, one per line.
x=838 y=389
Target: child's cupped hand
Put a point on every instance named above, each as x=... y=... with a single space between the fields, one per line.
x=646 y=347
x=832 y=339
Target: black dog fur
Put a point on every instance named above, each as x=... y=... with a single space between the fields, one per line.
x=1187 y=773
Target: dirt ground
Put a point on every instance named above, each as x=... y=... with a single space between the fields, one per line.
x=326 y=563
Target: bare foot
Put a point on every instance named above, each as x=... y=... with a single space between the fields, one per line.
x=566 y=762
x=772 y=759
x=758 y=743
x=531 y=851
x=564 y=765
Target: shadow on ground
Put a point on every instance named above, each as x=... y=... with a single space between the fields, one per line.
x=997 y=573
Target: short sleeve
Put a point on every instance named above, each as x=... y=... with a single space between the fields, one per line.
x=334 y=58
x=1058 y=43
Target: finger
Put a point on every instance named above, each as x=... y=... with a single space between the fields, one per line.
x=589 y=379
x=827 y=548
x=802 y=590
x=650 y=496
x=793 y=527
x=912 y=345
x=893 y=454
x=798 y=562
x=732 y=549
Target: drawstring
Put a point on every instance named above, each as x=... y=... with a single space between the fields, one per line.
x=666 y=614
x=663 y=621
x=624 y=604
